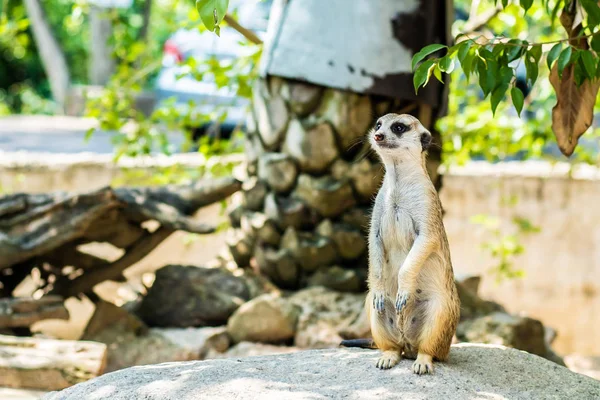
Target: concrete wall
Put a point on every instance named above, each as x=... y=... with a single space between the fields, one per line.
x=561 y=263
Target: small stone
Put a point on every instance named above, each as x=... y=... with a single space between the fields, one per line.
x=349 y=241
x=521 y=333
x=267 y=319
x=240 y=244
x=325 y=313
x=364 y=176
x=278 y=265
x=469 y=281
x=359 y=217
x=349 y=113
x=336 y=278
x=184 y=296
x=250 y=349
x=302 y=97
x=271 y=115
x=310 y=251
x=289 y=212
x=253 y=192
x=313 y=149
x=261 y=227
x=278 y=170
x=329 y=196
x=128 y=346
x=235 y=216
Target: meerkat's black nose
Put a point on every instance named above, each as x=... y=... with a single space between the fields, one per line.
x=379 y=137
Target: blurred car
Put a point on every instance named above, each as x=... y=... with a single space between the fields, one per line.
x=207 y=97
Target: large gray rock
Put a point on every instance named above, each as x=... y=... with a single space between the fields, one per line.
x=258 y=225
x=366 y=177
x=192 y=296
x=289 y=212
x=351 y=115
x=337 y=278
x=267 y=319
x=271 y=115
x=302 y=97
x=329 y=196
x=472 y=372
x=350 y=242
x=278 y=170
x=314 y=148
x=278 y=265
x=310 y=251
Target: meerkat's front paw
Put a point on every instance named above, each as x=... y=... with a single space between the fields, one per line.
x=388 y=359
x=378 y=301
x=401 y=299
x=423 y=364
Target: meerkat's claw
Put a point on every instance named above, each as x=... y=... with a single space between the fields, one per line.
x=401 y=300
x=379 y=302
x=388 y=360
x=423 y=365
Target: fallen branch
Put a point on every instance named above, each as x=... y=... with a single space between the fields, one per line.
x=17 y=312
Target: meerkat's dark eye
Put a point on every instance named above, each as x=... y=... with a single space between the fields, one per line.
x=399 y=128
x=377 y=125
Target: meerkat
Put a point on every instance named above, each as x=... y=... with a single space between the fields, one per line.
x=412 y=303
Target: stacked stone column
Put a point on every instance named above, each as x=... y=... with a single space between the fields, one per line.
x=303 y=214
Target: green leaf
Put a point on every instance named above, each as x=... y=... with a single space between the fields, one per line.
x=532 y=71
x=497 y=96
x=487 y=75
x=579 y=74
x=593 y=12
x=526 y=5
x=212 y=12
x=553 y=54
x=467 y=63
x=463 y=50
x=446 y=64
x=438 y=73
x=596 y=43
x=425 y=51
x=589 y=63
x=89 y=133
x=498 y=49
x=517 y=98
x=535 y=52
x=514 y=50
x=422 y=74
x=504 y=3
x=563 y=60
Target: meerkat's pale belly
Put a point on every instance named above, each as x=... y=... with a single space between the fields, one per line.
x=398 y=233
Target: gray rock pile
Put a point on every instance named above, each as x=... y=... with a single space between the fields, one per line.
x=302 y=213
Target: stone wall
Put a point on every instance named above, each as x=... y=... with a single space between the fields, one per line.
x=561 y=262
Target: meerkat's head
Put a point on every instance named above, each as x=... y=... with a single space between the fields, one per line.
x=396 y=136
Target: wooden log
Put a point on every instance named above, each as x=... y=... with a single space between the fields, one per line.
x=47 y=364
x=24 y=311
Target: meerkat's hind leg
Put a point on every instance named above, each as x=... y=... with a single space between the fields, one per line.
x=423 y=364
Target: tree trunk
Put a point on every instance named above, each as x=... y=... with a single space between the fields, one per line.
x=303 y=215
x=51 y=53
x=102 y=63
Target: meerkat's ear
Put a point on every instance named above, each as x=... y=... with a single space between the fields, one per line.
x=426 y=139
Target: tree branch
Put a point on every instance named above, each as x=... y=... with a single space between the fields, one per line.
x=479 y=21
x=247 y=33
x=111 y=271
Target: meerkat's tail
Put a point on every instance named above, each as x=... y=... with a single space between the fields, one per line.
x=362 y=343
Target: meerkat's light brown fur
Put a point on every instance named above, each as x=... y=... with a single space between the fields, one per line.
x=412 y=304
